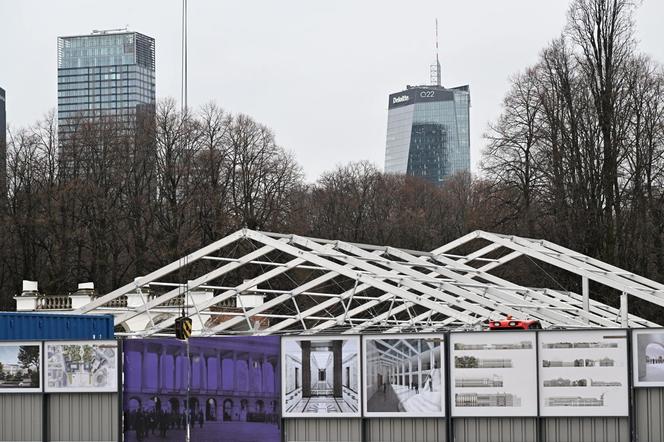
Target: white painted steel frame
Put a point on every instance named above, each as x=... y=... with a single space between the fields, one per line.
x=393 y=290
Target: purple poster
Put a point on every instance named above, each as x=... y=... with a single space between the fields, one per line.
x=227 y=387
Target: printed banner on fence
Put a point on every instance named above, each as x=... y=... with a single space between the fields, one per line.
x=493 y=374
x=583 y=373
x=20 y=367
x=81 y=366
x=404 y=376
x=226 y=387
x=648 y=357
x=321 y=376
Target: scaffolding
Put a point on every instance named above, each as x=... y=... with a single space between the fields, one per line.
x=266 y=283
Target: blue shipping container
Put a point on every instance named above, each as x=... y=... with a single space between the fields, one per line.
x=19 y=326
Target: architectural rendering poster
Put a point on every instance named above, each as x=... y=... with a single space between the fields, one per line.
x=321 y=376
x=20 y=367
x=648 y=354
x=233 y=384
x=583 y=373
x=81 y=366
x=493 y=373
x=403 y=375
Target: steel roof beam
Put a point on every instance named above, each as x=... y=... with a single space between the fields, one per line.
x=163 y=271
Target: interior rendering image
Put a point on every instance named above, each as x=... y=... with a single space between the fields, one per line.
x=321 y=376
x=403 y=376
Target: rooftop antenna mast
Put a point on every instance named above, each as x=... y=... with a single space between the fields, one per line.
x=185 y=302
x=183 y=92
x=435 y=71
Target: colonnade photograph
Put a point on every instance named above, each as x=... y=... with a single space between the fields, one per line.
x=321 y=376
x=227 y=387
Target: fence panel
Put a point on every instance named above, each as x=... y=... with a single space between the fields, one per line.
x=21 y=417
x=83 y=417
x=586 y=429
x=323 y=430
x=649 y=414
x=495 y=429
x=406 y=430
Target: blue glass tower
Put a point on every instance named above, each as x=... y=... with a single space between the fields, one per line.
x=104 y=74
x=3 y=147
x=428 y=132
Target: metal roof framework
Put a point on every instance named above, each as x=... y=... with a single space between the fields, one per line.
x=317 y=286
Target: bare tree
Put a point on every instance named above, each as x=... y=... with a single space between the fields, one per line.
x=512 y=153
x=603 y=32
x=262 y=174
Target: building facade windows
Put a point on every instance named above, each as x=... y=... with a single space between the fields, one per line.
x=104 y=75
x=428 y=132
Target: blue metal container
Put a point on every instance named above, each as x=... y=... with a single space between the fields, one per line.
x=19 y=326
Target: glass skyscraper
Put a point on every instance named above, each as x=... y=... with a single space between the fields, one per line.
x=3 y=147
x=428 y=132
x=102 y=75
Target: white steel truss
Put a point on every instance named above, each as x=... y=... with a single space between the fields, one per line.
x=266 y=283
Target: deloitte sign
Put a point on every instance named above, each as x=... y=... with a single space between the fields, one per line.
x=400 y=99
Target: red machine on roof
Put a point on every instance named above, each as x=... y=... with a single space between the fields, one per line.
x=515 y=324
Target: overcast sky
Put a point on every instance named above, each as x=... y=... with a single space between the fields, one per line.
x=317 y=72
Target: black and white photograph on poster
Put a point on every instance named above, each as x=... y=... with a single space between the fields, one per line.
x=20 y=367
x=81 y=366
x=493 y=373
x=321 y=376
x=583 y=373
x=648 y=357
x=403 y=375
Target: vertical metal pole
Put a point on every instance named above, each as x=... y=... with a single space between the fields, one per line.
x=448 y=388
x=624 y=318
x=539 y=419
x=631 y=409
x=45 y=400
x=42 y=364
x=187 y=409
x=360 y=383
x=121 y=422
x=585 y=289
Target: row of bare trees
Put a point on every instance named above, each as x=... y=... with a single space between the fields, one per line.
x=110 y=202
x=577 y=154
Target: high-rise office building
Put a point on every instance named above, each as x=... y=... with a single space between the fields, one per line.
x=107 y=74
x=428 y=129
x=428 y=132
x=3 y=147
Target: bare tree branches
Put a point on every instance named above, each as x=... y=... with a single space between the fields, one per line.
x=594 y=145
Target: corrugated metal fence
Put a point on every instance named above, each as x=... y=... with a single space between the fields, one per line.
x=96 y=417
x=69 y=417
x=648 y=418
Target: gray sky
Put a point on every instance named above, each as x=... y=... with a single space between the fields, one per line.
x=316 y=72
